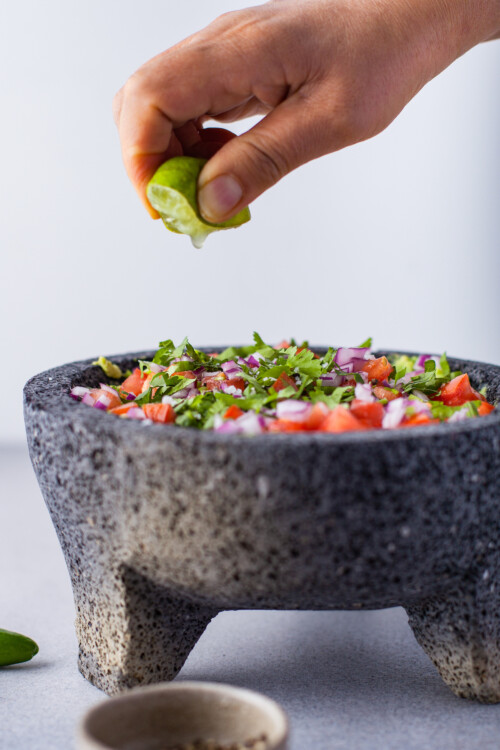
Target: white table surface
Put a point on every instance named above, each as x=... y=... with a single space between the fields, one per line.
x=348 y=680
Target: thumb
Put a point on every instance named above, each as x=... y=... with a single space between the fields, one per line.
x=292 y=134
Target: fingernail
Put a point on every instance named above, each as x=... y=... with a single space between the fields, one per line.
x=218 y=197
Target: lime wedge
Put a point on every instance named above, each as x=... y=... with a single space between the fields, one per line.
x=172 y=192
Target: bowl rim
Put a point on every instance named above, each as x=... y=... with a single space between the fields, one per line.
x=192 y=688
x=54 y=379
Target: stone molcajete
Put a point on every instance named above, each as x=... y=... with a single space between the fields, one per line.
x=163 y=527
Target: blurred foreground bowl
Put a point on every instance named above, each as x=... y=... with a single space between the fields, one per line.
x=185 y=716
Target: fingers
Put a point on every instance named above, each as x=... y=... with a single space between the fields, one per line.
x=208 y=74
x=297 y=131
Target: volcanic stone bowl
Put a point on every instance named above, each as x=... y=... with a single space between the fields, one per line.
x=162 y=527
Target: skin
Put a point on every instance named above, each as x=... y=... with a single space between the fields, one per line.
x=324 y=73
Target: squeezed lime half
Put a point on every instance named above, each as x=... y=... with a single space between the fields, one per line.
x=172 y=191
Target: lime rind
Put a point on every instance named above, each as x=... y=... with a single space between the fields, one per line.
x=172 y=191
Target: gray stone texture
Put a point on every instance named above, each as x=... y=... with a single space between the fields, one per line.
x=162 y=527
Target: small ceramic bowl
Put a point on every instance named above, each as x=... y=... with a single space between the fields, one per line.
x=190 y=715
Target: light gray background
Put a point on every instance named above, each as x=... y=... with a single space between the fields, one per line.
x=397 y=237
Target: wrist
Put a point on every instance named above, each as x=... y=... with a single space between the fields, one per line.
x=440 y=31
x=476 y=22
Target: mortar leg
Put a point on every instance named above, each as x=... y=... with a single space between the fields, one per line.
x=133 y=632
x=460 y=632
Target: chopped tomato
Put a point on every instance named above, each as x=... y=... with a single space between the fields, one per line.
x=381 y=392
x=283 y=381
x=417 y=419
x=369 y=414
x=212 y=382
x=147 y=381
x=159 y=412
x=113 y=398
x=378 y=369
x=286 y=425
x=485 y=408
x=133 y=384
x=341 y=420
x=233 y=412
x=184 y=374
x=123 y=409
x=458 y=391
x=238 y=383
x=316 y=416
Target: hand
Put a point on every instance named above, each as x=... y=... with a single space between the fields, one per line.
x=325 y=73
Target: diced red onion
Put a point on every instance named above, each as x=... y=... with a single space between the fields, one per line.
x=421 y=396
x=79 y=391
x=344 y=355
x=232 y=390
x=184 y=358
x=268 y=412
x=419 y=407
x=100 y=404
x=407 y=378
x=230 y=368
x=459 y=416
x=156 y=368
x=218 y=421
x=130 y=396
x=88 y=400
x=363 y=392
x=394 y=413
x=136 y=413
x=181 y=394
x=168 y=400
x=295 y=411
x=420 y=363
x=253 y=361
x=358 y=364
x=186 y=393
x=249 y=423
x=331 y=379
x=107 y=388
x=228 y=426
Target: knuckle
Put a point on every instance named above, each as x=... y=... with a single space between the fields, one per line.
x=268 y=160
x=233 y=19
x=133 y=85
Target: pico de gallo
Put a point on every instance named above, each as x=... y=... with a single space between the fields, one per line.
x=257 y=389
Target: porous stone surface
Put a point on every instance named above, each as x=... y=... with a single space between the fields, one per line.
x=162 y=527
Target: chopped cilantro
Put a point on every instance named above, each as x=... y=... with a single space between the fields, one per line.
x=201 y=402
